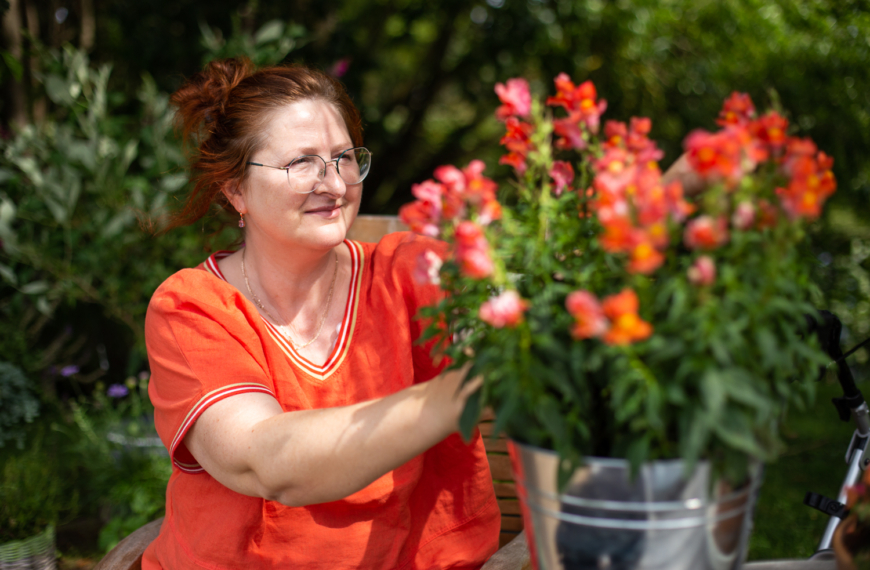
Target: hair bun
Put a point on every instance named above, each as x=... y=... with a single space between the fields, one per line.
x=203 y=97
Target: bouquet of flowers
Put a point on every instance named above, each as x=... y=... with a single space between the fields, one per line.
x=609 y=314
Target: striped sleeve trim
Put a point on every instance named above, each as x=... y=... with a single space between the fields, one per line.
x=197 y=410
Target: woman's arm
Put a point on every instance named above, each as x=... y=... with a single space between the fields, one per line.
x=314 y=456
x=681 y=170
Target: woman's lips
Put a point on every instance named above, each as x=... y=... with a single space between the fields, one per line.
x=326 y=211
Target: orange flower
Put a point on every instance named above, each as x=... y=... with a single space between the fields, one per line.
x=626 y=325
x=717 y=155
x=579 y=101
x=617 y=236
x=645 y=258
x=812 y=181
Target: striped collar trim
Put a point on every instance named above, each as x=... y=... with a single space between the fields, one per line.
x=348 y=323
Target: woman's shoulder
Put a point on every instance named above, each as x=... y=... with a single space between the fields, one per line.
x=403 y=247
x=193 y=287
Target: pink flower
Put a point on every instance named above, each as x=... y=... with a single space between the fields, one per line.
x=428 y=191
x=562 y=174
x=428 y=269
x=703 y=271
x=472 y=251
x=585 y=308
x=744 y=216
x=475 y=263
x=705 y=233
x=340 y=67
x=516 y=99
x=451 y=177
x=505 y=310
x=569 y=133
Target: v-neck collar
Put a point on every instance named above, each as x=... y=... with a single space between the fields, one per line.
x=348 y=323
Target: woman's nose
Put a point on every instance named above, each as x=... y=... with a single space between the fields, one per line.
x=331 y=182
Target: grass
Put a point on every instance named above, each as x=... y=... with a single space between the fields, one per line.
x=814 y=461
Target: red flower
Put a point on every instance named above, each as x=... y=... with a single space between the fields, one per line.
x=626 y=326
x=703 y=271
x=737 y=110
x=516 y=99
x=579 y=101
x=516 y=160
x=562 y=174
x=418 y=217
x=505 y=310
x=585 y=308
x=516 y=140
x=718 y=155
x=770 y=130
x=704 y=232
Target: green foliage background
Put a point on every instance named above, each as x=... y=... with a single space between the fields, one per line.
x=98 y=153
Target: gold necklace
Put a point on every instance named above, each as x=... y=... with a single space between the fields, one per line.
x=286 y=334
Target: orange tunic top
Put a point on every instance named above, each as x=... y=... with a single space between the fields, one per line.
x=206 y=342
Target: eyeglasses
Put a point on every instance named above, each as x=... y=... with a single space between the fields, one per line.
x=305 y=173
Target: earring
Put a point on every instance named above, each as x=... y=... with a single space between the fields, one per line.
x=241 y=220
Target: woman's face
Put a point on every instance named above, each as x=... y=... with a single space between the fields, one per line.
x=274 y=211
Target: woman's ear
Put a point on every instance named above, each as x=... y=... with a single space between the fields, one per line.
x=233 y=191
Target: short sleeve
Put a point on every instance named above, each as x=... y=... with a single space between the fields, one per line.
x=202 y=347
x=406 y=249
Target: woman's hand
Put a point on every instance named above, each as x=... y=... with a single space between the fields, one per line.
x=251 y=446
x=681 y=170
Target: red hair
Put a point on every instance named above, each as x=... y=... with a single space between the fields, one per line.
x=223 y=110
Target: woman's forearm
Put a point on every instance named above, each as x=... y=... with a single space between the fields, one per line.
x=314 y=456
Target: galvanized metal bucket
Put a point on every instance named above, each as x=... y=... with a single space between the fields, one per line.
x=661 y=520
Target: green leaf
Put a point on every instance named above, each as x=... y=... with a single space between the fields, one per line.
x=35 y=288
x=269 y=32
x=15 y=67
x=8 y=274
x=470 y=415
x=713 y=393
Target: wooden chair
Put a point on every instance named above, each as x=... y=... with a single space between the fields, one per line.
x=127 y=555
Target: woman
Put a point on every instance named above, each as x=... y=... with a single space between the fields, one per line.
x=305 y=426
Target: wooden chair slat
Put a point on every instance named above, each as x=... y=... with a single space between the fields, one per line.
x=505 y=490
x=511 y=523
x=506 y=537
x=498 y=445
x=509 y=506
x=500 y=466
x=127 y=555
